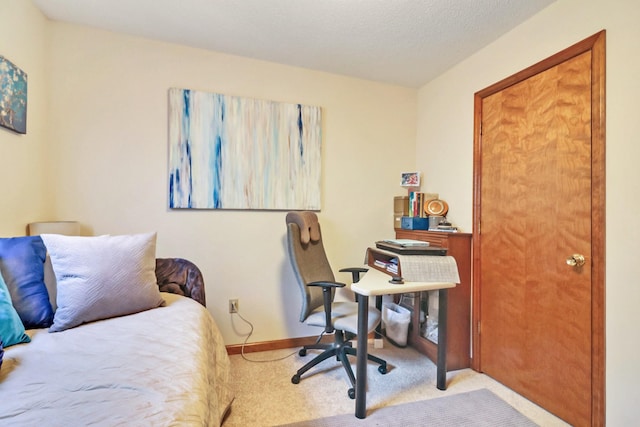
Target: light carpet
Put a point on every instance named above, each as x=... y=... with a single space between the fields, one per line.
x=477 y=408
x=265 y=395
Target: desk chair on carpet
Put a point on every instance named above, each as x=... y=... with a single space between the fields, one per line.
x=317 y=284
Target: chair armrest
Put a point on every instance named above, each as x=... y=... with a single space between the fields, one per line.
x=327 y=287
x=355 y=272
x=355 y=275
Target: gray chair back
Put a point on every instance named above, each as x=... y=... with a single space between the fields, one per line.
x=310 y=264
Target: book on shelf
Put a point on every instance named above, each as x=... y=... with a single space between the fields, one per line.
x=380 y=263
x=445 y=230
x=391 y=266
x=416 y=204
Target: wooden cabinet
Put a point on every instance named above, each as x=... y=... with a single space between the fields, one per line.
x=458 y=246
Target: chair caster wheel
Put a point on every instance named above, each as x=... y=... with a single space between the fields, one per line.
x=295 y=379
x=352 y=393
x=303 y=352
x=382 y=369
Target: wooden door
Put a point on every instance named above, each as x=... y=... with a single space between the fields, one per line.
x=538 y=186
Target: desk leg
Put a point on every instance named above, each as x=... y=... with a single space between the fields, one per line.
x=441 y=373
x=361 y=359
x=379 y=307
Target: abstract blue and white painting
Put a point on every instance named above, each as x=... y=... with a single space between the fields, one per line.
x=230 y=152
x=13 y=96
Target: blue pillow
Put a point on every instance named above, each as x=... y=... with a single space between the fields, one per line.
x=11 y=328
x=22 y=266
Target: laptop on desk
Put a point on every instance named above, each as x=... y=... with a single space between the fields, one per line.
x=402 y=249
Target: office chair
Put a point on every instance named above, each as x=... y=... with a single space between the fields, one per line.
x=317 y=285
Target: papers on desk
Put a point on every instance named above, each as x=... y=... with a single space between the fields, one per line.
x=429 y=268
x=409 y=247
x=407 y=243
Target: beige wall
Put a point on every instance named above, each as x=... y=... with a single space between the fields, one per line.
x=108 y=115
x=445 y=126
x=23 y=174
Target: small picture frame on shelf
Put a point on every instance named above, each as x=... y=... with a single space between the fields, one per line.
x=410 y=179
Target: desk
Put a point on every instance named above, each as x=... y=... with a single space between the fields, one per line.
x=376 y=283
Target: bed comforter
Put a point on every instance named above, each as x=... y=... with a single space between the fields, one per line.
x=165 y=366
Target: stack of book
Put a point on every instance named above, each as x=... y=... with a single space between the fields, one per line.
x=416 y=204
x=417 y=201
x=391 y=266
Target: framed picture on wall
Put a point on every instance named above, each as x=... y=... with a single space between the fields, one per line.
x=231 y=152
x=13 y=96
x=410 y=179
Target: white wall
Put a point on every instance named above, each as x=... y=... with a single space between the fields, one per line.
x=23 y=197
x=108 y=113
x=445 y=127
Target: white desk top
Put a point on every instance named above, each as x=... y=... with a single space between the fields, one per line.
x=375 y=282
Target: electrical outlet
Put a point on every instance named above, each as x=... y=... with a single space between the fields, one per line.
x=233 y=306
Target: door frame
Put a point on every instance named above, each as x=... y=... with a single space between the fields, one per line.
x=596 y=44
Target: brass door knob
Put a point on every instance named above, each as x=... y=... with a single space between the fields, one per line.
x=576 y=260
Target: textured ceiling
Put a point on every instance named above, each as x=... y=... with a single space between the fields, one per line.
x=403 y=42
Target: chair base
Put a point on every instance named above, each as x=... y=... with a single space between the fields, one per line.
x=340 y=349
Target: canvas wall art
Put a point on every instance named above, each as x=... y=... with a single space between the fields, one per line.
x=230 y=152
x=13 y=96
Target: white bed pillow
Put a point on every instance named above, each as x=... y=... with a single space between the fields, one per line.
x=101 y=277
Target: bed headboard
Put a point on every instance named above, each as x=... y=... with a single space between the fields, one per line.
x=182 y=277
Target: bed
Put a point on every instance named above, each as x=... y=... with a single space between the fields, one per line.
x=162 y=366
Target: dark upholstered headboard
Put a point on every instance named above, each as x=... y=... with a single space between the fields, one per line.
x=182 y=277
